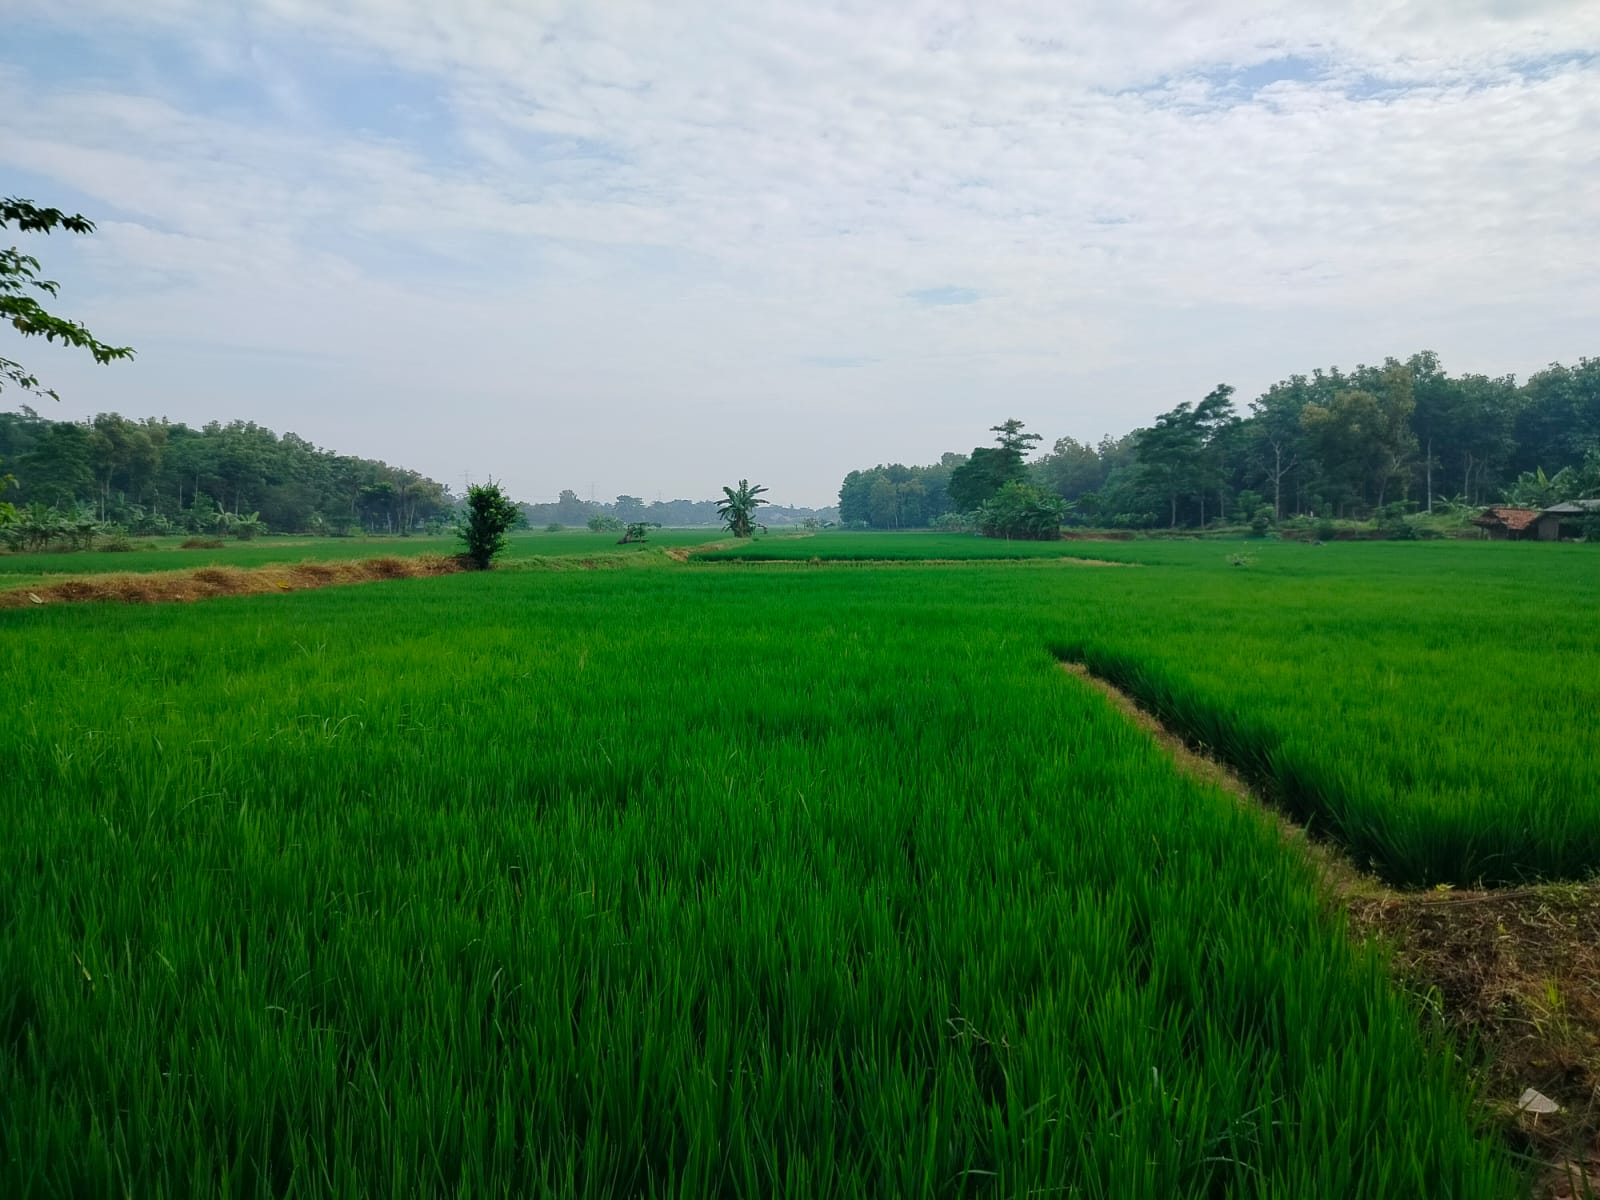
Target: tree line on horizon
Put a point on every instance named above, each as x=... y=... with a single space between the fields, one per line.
x=155 y=476
x=570 y=511
x=1330 y=444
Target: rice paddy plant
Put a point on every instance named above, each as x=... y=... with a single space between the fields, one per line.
x=851 y=546
x=672 y=883
x=1429 y=707
x=596 y=885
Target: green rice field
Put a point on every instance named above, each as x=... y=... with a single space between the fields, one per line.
x=1428 y=706
x=842 y=546
x=805 y=880
x=1431 y=708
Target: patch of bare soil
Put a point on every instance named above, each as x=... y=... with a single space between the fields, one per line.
x=682 y=554
x=1513 y=974
x=1517 y=972
x=204 y=583
x=1069 y=561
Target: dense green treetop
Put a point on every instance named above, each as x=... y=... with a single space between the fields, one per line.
x=1331 y=443
x=155 y=476
x=486 y=516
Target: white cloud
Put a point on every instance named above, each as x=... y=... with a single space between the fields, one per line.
x=640 y=217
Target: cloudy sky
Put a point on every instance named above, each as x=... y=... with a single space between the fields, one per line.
x=654 y=247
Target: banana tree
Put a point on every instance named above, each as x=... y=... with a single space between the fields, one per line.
x=1535 y=489
x=738 y=509
x=246 y=526
x=37 y=526
x=81 y=527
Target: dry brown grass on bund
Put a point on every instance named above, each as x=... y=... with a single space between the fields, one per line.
x=204 y=583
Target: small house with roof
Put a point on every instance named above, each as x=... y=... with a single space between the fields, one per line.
x=1508 y=524
x=1561 y=520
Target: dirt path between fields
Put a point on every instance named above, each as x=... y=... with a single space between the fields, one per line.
x=1513 y=971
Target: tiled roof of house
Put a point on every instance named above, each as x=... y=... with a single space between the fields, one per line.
x=1514 y=519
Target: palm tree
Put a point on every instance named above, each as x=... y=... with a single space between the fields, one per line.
x=739 y=509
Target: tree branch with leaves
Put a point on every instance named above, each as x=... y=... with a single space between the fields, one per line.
x=20 y=278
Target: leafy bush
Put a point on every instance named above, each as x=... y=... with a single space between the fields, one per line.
x=1261 y=522
x=554 y=527
x=1021 y=510
x=953 y=522
x=1448 y=519
x=114 y=539
x=150 y=524
x=1392 y=523
x=637 y=531
x=1248 y=505
x=202 y=543
x=604 y=523
x=489 y=513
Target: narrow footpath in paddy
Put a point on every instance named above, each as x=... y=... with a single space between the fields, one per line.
x=1512 y=973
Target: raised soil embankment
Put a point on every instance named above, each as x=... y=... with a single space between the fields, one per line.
x=204 y=583
x=1513 y=971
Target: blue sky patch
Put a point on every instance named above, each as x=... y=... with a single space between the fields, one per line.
x=945 y=294
x=838 y=362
